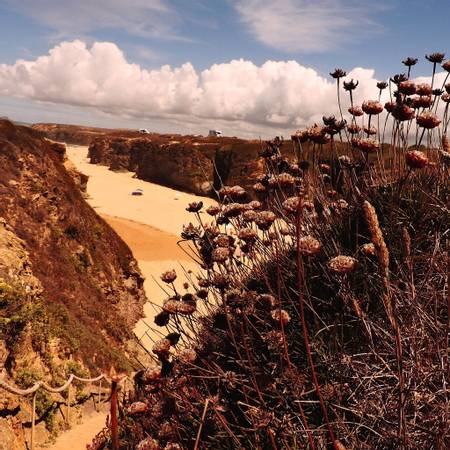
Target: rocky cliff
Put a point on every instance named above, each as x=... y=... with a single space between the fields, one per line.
x=69 y=286
x=188 y=163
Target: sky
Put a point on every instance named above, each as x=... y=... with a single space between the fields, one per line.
x=247 y=67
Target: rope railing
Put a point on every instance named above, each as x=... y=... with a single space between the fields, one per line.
x=112 y=381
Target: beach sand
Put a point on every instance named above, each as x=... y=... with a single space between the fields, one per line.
x=150 y=225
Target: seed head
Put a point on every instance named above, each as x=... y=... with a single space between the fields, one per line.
x=424 y=101
x=381 y=85
x=342 y=264
x=221 y=254
x=338 y=73
x=265 y=219
x=428 y=120
x=416 y=159
x=187 y=356
x=353 y=128
x=213 y=210
x=372 y=107
x=366 y=145
x=435 y=58
x=368 y=249
x=401 y=112
x=355 y=111
x=409 y=62
x=148 y=444
x=307 y=245
x=169 y=276
x=350 y=85
x=281 y=316
x=161 y=348
x=137 y=408
x=194 y=207
x=407 y=87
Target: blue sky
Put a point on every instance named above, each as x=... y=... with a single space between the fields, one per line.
x=317 y=34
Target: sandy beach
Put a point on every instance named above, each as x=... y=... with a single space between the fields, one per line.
x=150 y=224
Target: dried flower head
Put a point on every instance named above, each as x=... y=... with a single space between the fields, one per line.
x=137 y=408
x=428 y=120
x=307 y=245
x=162 y=319
x=151 y=375
x=259 y=187
x=249 y=216
x=408 y=62
x=381 y=85
x=291 y=204
x=338 y=73
x=366 y=145
x=370 y=131
x=187 y=355
x=398 y=78
x=372 y=107
x=265 y=219
x=247 y=235
x=221 y=254
x=435 y=58
x=148 y=444
x=423 y=89
x=355 y=111
x=169 y=276
x=161 y=348
x=401 y=112
x=213 y=210
x=186 y=308
x=407 y=87
x=345 y=160
x=191 y=232
x=353 y=128
x=424 y=101
x=281 y=316
x=350 y=85
x=368 y=249
x=416 y=159
x=255 y=204
x=194 y=207
x=170 y=305
x=342 y=264
x=300 y=136
x=318 y=135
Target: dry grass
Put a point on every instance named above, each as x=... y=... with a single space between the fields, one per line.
x=323 y=319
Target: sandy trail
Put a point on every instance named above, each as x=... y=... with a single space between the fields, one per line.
x=81 y=434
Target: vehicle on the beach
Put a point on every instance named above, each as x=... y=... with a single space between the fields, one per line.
x=137 y=192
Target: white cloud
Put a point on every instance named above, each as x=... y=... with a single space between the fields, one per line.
x=307 y=25
x=75 y=18
x=239 y=97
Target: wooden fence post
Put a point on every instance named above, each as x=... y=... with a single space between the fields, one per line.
x=69 y=390
x=114 y=422
x=33 y=419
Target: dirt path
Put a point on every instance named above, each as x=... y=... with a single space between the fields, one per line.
x=77 y=437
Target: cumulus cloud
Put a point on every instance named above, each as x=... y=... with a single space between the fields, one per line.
x=239 y=96
x=307 y=25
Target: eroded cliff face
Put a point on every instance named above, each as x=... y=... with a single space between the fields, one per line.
x=188 y=163
x=90 y=280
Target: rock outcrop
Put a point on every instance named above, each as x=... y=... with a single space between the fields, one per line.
x=194 y=164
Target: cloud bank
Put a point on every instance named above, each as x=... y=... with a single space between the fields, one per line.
x=239 y=96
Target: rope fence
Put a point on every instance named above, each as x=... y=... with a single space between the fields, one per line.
x=113 y=381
